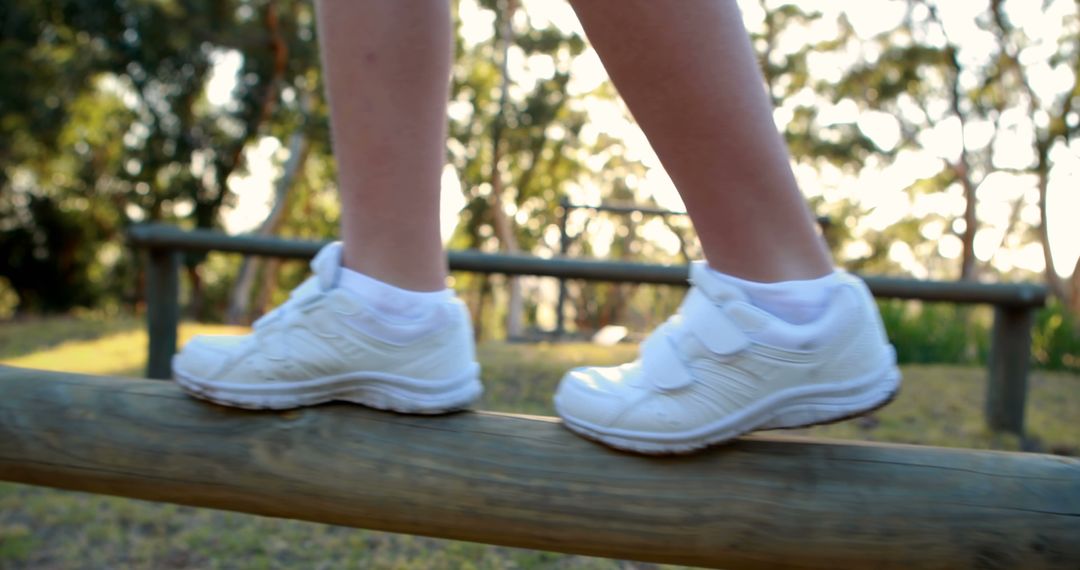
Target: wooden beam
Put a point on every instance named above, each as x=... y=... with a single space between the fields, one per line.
x=762 y=502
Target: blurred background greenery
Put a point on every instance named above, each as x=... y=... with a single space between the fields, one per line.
x=940 y=138
x=937 y=137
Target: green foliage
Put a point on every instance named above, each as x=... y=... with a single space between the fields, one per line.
x=9 y=299
x=937 y=332
x=1056 y=338
x=106 y=122
x=47 y=266
x=947 y=333
x=534 y=161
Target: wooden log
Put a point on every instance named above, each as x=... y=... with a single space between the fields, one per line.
x=762 y=502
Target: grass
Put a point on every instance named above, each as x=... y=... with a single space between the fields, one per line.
x=31 y=335
x=44 y=528
x=95 y=346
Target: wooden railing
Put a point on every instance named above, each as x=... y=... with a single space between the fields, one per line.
x=1010 y=352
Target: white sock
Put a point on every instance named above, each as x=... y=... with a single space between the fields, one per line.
x=390 y=301
x=797 y=302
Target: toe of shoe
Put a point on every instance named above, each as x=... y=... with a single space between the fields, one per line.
x=592 y=395
x=204 y=356
x=621 y=399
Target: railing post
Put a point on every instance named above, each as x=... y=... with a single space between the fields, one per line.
x=564 y=246
x=1010 y=358
x=162 y=310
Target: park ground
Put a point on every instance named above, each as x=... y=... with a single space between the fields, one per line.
x=48 y=529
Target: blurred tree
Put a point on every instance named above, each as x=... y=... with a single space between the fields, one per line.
x=136 y=110
x=891 y=74
x=48 y=222
x=1055 y=118
x=513 y=144
x=508 y=242
x=118 y=91
x=852 y=101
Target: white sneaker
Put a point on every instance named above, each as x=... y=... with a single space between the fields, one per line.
x=721 y=367
x=323 y=344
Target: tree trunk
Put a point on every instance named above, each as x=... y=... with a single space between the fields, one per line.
x=482 y=294
x=962 y=169
x=1067 y=292
x=971 y=225
x=1054 y=283
x=240 y=299
x=515 y=322
x=504 y=229
x=197 y=300
x=1074 y=293
x=266 y=291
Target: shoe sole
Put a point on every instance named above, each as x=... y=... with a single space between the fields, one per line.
x=374 y=390
x=799 y=407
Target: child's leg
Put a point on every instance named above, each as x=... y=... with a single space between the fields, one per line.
x=375 y=324
x=769 y=336
x=690 y=77
x=387 y=70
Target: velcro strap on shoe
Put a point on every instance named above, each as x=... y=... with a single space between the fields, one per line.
x=308 y=289
x=712 y=286
x=661 y=364
x=711 y=325
x=327 y=265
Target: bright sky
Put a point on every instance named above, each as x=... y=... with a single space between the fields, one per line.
x=879 y=190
